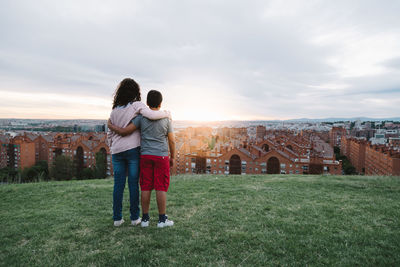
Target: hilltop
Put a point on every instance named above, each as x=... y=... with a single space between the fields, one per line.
x=219 y=220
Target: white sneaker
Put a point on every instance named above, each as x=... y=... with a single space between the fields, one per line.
x=145 y=223
x=136 y=222
x=165 y=224
x=118 y=223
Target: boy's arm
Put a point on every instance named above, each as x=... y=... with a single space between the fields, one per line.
x=171 y=143
x=122 y=131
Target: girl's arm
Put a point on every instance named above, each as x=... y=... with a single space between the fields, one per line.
x=122 y=131
x=152 y=114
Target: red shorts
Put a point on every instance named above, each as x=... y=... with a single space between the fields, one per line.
x=154 y=173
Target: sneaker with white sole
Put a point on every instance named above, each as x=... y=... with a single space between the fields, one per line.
x=165 y=224
x=145 y=223
x=136 y=222
x=118 y=223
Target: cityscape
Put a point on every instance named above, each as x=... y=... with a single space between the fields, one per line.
x=235 y=147
x=200 y=133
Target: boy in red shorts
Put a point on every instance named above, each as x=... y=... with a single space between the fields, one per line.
x=156 y=137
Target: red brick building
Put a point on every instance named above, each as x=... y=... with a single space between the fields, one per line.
x=17 y=152
x=335 y=135
x=371 y=159
x=24 y=150
x=357 y=154
x=4 y=147
x=381 y=160
x=281 y=153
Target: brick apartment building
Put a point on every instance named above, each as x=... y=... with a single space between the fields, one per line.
x=381 y=160
x=231 y=151
x=24 y=150
x=357 y=154
x=16 y=152
x=4 y=146
x=335 y=135
x=371 y=159
x=278 y=153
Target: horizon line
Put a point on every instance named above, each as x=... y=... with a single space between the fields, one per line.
x=233 y=120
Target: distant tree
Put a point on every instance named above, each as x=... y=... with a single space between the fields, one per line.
x=87 y=173
x=336 y=150
x=100 y=170
x=62 y=168
x=29 y=174
x=79 y=163
x=211 y=143
x=43 y=167
x=8 y=175
x=37 y=172
x=349 y=169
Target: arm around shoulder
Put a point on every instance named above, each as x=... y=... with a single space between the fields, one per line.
x=122 y=131
x=152 y=114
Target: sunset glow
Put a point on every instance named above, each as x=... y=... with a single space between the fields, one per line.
x=210 y=62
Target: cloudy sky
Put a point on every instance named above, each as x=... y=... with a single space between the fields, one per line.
x=212 y=60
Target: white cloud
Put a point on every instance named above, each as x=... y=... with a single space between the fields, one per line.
x=211 y=59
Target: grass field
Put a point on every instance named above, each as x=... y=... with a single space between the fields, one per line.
x=219 y=220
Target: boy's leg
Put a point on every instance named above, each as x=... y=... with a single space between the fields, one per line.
x=161 y=197
x=119 y=184
x=145 y=199
x=133 y=182
x=161 y=184
x=146 y=183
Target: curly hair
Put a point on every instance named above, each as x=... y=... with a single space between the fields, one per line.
x=128 y=91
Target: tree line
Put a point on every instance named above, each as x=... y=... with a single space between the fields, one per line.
x=63 y=168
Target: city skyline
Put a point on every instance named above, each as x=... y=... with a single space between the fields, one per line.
x=213 y=61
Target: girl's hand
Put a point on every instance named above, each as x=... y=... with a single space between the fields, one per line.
x=110 y=125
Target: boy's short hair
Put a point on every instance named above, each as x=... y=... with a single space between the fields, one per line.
x=154 y=99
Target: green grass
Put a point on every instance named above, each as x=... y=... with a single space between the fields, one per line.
x=219 y=220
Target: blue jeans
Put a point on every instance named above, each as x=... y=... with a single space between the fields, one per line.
x=126 y=162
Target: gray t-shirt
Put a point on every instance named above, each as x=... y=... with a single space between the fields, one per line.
x=154 y=135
